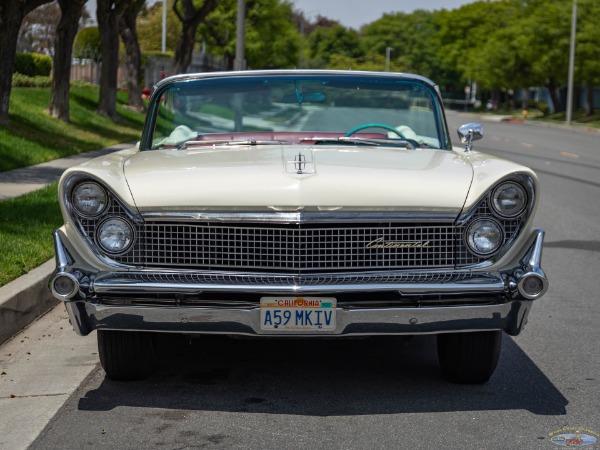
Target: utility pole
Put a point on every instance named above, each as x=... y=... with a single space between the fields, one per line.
x=571 y=63
x=239 y=63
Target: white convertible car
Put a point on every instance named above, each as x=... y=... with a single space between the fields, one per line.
x=310 y=204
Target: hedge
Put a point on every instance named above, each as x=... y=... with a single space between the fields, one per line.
x=20 y=80
x=33 y=64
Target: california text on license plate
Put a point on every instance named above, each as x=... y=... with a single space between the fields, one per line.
x=297 y=313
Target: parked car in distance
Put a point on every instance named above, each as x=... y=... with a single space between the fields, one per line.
x=299 y=203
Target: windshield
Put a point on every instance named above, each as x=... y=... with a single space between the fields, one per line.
x=297 y=109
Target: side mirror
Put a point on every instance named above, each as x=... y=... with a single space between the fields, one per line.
x=470 y=132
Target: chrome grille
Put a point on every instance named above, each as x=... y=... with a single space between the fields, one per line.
x=295 y=248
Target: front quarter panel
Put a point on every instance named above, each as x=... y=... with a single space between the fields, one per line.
x=108 y=170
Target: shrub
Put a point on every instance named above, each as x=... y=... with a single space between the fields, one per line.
x=88 y=45
x=33 y=64
x=20 y=80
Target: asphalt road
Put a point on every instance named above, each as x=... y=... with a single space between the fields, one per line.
x=384 y=392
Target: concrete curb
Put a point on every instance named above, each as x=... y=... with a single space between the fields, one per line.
x=24 y=300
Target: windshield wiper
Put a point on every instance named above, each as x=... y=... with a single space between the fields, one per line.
x=226 y=142
x=376 y=142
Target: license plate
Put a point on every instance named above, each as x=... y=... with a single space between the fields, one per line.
x=297 y=314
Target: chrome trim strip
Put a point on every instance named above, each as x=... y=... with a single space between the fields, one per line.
x=148 y=283
x=510 y=317
x=298 y=217
x=61 y=255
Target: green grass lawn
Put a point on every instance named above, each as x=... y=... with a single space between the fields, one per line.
x=26 y=226
x=33 y=137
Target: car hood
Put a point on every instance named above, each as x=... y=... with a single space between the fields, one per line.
x=293 y=178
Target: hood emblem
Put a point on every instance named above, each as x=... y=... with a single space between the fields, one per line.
x=300 y=163
x=382 y=243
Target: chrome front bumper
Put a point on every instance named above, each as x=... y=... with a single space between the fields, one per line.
x=510 y=317
x=127 y=299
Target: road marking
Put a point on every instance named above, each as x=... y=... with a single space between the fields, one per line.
x=570 y=155
x=526 y=145
x=496 y=138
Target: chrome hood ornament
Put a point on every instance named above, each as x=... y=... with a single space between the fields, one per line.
x=299 y=163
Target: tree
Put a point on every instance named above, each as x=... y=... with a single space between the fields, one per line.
x=324 y=42
x=108 y=14
x=66 y=31
x=588 y=49
x=128 y=32
x=412 y=38
x=12 y=13
x=272 y=40
x=190 y=18
x=546 y=50
x=150 y=28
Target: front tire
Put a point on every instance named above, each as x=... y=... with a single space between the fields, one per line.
x=126 y=355
x=469 y=358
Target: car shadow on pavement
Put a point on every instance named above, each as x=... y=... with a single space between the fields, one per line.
x=317 y=377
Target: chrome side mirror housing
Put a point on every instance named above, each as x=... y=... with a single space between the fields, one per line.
x=470 y=132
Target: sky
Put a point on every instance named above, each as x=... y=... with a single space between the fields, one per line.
x=353 y=13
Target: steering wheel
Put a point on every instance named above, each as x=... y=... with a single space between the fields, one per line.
x=373 y=125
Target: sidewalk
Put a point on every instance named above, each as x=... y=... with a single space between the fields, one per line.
x=28 y=297
x=28 y=179
x=488 y=117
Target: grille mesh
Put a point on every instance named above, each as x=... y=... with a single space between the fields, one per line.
x=297 y=248
x=289 y=248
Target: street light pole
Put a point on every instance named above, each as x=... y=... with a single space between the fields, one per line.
x=388 y=50
x=571 y=63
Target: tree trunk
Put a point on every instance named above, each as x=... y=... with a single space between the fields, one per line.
x=590 y=100
x=128 y=32
x=108 y=14
x=190 y=19
x=63 y=51
x=184 y=49
x=554 y=96
x=12 y=13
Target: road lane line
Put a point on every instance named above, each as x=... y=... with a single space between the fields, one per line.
x=526 y=145
x=569 y=155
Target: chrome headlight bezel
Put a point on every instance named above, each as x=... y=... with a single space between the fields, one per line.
x=496 y=204
x=479 y=224
x=127 y=229
x=76 y=199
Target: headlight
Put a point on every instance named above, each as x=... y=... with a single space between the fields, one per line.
x=89 y=199
x=484 y=237
x=115 y=235
x=509 y=199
